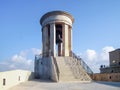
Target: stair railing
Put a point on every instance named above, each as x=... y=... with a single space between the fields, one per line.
x=83 y=64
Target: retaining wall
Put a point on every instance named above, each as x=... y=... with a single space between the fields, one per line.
x=106 y=77
x=9 y=79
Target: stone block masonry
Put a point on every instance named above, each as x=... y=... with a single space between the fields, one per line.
x=45 y=68
x=115 y=77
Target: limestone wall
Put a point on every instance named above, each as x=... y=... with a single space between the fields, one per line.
x=9 y=79
x=45 y=68
x=106 y=77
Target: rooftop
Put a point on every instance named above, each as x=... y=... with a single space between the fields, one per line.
x=48 y=85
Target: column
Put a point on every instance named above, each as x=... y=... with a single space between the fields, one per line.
x=52 y=39
x=60 y=49
x=70 y=40
x=45 y=41
x=65 y=40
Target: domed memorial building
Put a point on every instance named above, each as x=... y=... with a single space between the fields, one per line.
x=57 y=61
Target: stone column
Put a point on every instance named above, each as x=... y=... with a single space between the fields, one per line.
x=65 y=40
x=60 y=49
x=52 y=39
x=47 y=42
x=44 y=41
x=70 y=40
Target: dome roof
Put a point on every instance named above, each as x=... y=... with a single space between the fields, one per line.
x=56 y=13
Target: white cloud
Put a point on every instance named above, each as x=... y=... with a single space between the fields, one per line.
x=91 y=54
x=12 y=66
x=105 y=52
x=18 y=58
x=108 y=49
x=25 y=59
x=95 y=59
x=22 y=60
x=24 y=53
x=36 y=51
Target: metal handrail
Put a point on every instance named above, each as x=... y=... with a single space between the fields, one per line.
x=83 y=64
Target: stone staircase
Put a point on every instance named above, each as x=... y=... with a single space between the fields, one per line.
x=77 y=69
x=71 y=70
x=65 y=73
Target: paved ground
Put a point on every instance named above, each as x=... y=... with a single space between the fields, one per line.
x=48 y=85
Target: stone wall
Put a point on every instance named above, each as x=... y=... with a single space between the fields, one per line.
x=111 y=69
x=45 y=68
x=9 y=79
x=114 y=57
x=106 y=77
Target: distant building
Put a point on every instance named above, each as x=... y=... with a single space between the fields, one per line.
x=114 y=67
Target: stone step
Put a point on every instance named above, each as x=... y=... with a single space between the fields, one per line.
x=77 y=69
x=71 y=70
x=65 y=71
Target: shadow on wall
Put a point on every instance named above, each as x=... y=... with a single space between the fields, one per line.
x=31 y=76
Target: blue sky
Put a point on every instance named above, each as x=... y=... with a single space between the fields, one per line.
x=95 y=31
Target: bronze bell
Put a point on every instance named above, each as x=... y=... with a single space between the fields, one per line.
x=58 y=39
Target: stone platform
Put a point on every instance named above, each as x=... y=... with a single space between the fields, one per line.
x=48 y=85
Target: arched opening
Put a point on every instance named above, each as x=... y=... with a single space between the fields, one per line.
x=59 y=39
